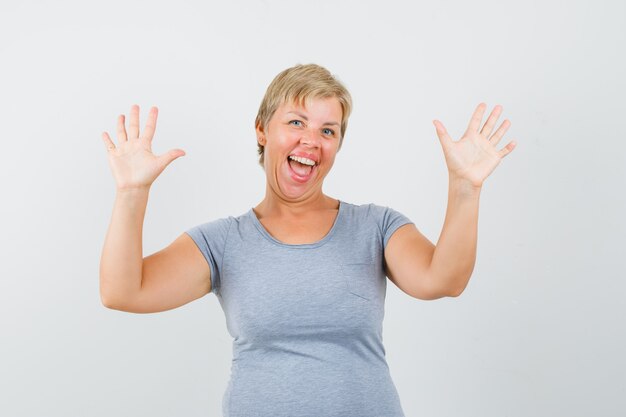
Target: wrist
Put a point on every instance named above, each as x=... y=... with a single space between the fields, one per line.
x=464 y=187
x=132 y=191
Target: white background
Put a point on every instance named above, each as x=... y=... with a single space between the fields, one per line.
x=539 y=331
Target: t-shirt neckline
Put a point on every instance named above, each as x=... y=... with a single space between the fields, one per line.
x=320 y=242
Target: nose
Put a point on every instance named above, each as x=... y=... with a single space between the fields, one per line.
x=311 y=138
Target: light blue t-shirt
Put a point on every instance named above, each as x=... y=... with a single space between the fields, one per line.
x=306 y=320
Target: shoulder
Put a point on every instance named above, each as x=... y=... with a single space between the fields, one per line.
x=374 y=212
x=217 y=229
x=384 y=219
x=362 y=211
x=218 y=226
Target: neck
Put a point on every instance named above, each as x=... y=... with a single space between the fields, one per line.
x=274 y=205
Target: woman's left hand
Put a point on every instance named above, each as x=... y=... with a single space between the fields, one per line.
x=474 y=157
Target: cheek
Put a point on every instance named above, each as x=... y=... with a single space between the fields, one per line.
x=285 y=138
x=278 y=148
x=330 y=151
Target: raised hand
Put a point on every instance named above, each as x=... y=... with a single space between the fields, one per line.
x=132 y=162
x=474 y=157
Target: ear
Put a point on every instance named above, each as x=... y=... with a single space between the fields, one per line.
x=260 y=135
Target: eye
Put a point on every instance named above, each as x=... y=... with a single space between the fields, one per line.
x=296 y=121
x=329 y=132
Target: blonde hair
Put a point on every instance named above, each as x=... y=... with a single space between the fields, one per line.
x=296 y=85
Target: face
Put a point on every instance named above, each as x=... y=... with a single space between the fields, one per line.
x=311 y=134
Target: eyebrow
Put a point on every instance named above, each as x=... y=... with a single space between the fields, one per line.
x=305 y=118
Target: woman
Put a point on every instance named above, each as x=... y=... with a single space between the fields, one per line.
x=301 y=276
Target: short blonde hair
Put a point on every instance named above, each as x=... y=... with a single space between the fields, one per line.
x=296 y=85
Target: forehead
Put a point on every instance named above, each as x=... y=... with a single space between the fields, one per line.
x=321 y=108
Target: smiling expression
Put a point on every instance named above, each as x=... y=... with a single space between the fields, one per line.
x=311 y=131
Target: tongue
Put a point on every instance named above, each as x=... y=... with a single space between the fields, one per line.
x=300 y=169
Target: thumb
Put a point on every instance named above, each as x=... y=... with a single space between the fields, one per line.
x=169 y=156
x=442 y=133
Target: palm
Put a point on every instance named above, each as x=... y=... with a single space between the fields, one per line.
x=474 y=157
x=132 y=162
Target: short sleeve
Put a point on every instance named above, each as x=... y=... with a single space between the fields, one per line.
x=388 y=220
x=211 y=238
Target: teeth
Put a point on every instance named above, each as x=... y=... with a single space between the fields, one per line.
x=302 y=160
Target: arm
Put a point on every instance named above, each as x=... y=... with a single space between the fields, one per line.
x=122 y=258
x=167 y=279
x=425 y=271
x=134 y=168
x=414 y=264
x=455 y=254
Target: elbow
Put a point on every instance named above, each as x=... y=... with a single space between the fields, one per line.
x=105 y=297
x=435 y=292
x=111 y=302
x=107 y=302
x=108 y=299
x=451 y=288
x=111 y=297
x=456 y=292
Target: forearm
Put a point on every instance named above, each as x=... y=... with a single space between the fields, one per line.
x=455 y=253
x=122 y=255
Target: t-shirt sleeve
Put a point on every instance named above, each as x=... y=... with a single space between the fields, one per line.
x=211 y=237
x=389 y=220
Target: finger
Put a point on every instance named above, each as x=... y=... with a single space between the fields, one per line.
x=133 y=126
x=168 y=157
x=121 y=129
x=442 y=133
x=507 y=149
x=148 y=132
x=107 y=141
x=491 y=121
x=477 y=117
x=500 y=132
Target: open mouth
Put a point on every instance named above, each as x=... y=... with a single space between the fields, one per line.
x=301 y=171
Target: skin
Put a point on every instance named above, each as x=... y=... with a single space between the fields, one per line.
x=293 y=212
x=417 y=266
x=132 y=162
x=313 y=128
x=422 y=269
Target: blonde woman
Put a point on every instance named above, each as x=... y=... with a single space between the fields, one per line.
x=301 y=277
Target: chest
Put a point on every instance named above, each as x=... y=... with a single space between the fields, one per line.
x=300 y=231
x=286 y=295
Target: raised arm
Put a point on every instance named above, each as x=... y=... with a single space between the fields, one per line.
x=122 y=255
x=134 y=168
x=414 y=264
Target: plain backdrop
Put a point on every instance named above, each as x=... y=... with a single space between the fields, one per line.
x=540 y=329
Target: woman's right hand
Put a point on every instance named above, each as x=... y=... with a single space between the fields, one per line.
x=132 y=162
